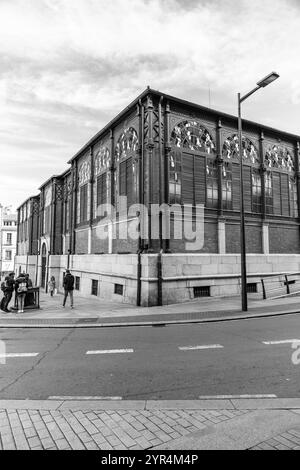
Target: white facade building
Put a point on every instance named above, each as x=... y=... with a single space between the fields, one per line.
x=8 y=240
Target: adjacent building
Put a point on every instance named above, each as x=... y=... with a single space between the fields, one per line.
x=148 y=211
x=8 y=240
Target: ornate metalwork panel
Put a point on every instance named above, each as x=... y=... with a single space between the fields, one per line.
x=84 y=172
x=35 y=206
x=278 y=156
x=128 y=142
x=59 y=192
x=231 y=150
x=156 y=130
x=192 y=135
x=101 y=160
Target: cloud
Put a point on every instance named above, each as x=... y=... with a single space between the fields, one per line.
x=69 y=66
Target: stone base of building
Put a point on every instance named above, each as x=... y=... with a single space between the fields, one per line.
x=184 y=277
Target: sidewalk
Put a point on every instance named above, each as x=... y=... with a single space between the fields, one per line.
x=94 y=312
x=152 y=425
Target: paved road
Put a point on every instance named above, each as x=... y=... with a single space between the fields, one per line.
x=172 y=362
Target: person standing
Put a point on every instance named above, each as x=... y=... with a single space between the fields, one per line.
x=8 y=291
x=51 y=285
x=21 y=288
x=68 y=287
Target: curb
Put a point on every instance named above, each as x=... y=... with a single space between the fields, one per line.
x=150 y=323
x=249 y=404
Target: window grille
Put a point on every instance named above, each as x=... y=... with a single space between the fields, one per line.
x=202 y=291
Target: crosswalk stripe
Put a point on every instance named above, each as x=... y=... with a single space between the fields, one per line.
x=19 y=355
x=224 y=397
x=59 y=397
x=204 y=346
x=111 y=351
x=285 y=341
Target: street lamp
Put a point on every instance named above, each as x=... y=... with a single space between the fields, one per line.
x=261 y=84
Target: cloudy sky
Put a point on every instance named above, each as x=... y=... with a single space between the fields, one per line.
x=68 y=66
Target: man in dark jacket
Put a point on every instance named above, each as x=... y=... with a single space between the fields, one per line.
x=8 y=291
x=68 y=287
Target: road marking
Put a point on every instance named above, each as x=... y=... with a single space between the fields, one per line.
x=82 y=398
x=224 y=397
x=285 y=341
x=204 y=346
x=19 y=355
x=111 y=351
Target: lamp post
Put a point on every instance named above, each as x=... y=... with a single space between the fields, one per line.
x=261 y=84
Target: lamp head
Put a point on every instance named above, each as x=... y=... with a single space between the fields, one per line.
x=268 y=79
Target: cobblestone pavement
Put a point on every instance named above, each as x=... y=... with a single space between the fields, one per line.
x=104 y=430
x=289 y=440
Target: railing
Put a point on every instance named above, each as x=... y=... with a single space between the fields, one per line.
x=279 y=285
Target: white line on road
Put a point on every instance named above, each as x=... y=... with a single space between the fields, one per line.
x=111 y=351
x=224 y=397
x=204 y=346
x=19 y=355
x=285 y=341
x=83 y=398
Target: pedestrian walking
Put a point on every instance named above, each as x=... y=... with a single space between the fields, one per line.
x=7 y=287
x=68 y=287
x=21 y=288
x=51 y=285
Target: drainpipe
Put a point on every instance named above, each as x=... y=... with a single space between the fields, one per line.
x=141 y=201
x=160 y=173
x=47 y=277
x=160 y=280
x=160 y=192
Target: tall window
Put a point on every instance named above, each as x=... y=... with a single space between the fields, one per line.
x=126 y=180
x=8 y=256
x=293 y=196
x=269 y=192
x=8 y=238
x=83 y=203
x=256 y=190
x=211 y=184
x=101 y=192
x=227 y=186
x=175 y=178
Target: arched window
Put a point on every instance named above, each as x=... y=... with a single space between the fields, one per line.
x=101 y=165
x=231 y=150
x=280 y=157
x=280 y=163
x=192 y=135
x=127 y=143
x=125 y=150
x=251 y=173
x=101 y=160
x=83 y=196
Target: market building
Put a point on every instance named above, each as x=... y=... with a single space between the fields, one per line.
x=161 y=151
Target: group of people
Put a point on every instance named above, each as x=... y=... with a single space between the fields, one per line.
x=23 y=283
x=20 y=285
